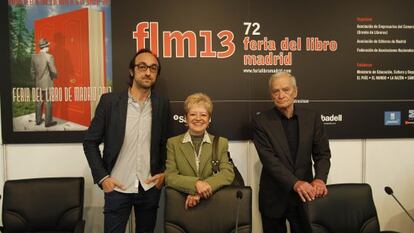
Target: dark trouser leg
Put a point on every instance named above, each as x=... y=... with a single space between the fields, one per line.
x=48 y=112
x=39 y=107
x=297 y=218
x=274 y=225
x=117 y=211
x=145 y=206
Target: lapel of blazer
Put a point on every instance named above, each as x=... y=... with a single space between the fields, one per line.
x=206 y=154
x=276 y=128
x=188 y=153
x=123 y=106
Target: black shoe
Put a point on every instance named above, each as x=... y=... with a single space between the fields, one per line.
x=52 y=123
x=39 y=122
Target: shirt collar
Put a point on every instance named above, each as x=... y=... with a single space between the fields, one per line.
x=187 y=138
x=131 y=98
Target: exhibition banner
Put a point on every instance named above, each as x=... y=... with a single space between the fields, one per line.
x=352 y=61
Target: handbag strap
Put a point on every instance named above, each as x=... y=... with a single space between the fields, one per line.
x=214 y=161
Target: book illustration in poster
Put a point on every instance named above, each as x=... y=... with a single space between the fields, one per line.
x=67 y=70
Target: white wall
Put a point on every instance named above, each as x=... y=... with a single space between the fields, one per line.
x=377 y=162
x=391 y=163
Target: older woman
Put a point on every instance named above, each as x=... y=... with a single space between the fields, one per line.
x=189 y=155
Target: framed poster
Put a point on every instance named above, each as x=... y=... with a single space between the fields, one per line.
x=59 y=66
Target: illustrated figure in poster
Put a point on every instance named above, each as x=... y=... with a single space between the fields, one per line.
x=43 y=72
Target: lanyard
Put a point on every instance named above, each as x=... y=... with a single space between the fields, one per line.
x=197 y=155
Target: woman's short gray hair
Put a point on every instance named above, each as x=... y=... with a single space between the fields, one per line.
x=198 y=98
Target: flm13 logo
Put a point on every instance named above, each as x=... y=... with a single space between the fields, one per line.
x=149 y=31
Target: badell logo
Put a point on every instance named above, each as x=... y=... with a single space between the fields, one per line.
x=331 y=119
x=411 y=114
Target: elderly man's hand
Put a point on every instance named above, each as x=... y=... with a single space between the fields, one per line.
x=305 y=190
x=320 y=187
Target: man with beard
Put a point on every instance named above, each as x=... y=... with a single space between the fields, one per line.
x=133 y=127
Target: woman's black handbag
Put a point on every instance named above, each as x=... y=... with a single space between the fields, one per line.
x=238 y=179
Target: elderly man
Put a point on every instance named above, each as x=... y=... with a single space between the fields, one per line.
x=288 y=138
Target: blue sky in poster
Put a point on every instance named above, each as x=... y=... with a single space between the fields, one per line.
x=41 y=11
